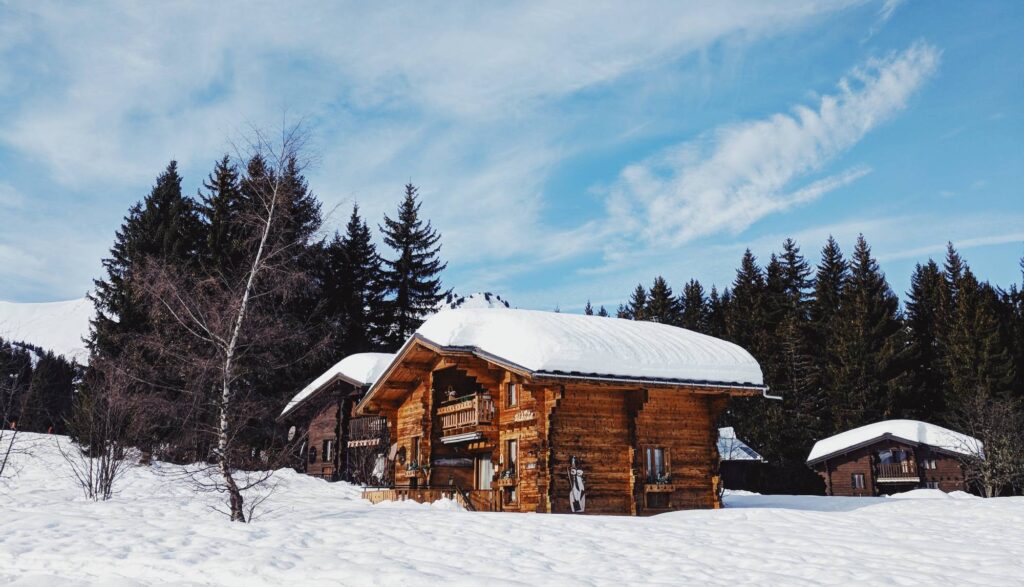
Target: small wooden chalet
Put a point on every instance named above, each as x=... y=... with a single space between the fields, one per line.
x=331 y=441
x=892 y=457
x=528 y=411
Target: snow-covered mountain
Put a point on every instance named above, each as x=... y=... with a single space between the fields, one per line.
x=56 y=326
x=477 y=300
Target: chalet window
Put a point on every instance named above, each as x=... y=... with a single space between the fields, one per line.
x=857 y=480
x=312 y=454
x=512 y=455
x=930 y=464
x=328 y=451
x=510 y=495
x=511 y=395
x=414 y=457
x=655 y=466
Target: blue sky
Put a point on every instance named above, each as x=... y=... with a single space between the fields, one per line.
x=565 y=151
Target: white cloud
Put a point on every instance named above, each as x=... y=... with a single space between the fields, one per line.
x=740 y=173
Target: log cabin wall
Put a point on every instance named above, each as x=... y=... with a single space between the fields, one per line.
x=839 y=471
x=323 y=428
x=680 y=424
x=592 y=424
x=412 y=422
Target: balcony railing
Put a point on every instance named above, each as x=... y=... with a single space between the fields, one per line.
x=365 y=428
x=466 y=413
x=896 y=472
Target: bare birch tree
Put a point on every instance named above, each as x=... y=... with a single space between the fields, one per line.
x=998 y=423
x=231 y=321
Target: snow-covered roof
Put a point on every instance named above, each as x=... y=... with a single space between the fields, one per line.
x=911 y=431
x=360 y=369
x=54 y=326
x=552 y=343
x=731 y=448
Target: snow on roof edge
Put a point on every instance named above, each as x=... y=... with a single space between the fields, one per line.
x=359 y=369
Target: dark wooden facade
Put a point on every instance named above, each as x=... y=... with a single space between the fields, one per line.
x=889 y=465
x=333 y=443
x=498 y=437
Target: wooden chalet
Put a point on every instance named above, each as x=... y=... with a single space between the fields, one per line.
x=526 y=411
x=331 y=441
x=892 y=457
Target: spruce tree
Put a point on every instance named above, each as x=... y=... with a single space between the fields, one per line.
x=718 y=306
x=602 y=312
x=220 y=207
x=744 y=321
x=927 y=382
x=977 y=358
x=831 y=277
x=355 y=289
x=588 y=310
x=870 y=347
x=164 y=227
x=637 y=306
x=662 y=305
x=412 y=278
x=695 y=311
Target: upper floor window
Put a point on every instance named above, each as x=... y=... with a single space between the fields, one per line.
x=512 y=395
x=312 y=454
x=512 y=455
x=930 y=464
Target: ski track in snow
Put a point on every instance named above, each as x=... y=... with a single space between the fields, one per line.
x=156 y=531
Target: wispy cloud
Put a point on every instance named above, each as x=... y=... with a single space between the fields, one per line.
x=738 y=174
x=10 y=197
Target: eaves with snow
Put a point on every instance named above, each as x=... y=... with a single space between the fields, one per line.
x=359 y=370
x=552 y=344
x=912 y=432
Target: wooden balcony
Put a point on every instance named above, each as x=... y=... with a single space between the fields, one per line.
x=903 y=472
x=366 y=431
x=465 y=414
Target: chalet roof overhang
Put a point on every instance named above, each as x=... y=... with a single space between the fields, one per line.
x=888 y=436
x=328 y=384
x=418 y=353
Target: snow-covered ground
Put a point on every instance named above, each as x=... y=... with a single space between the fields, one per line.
x=158 y=531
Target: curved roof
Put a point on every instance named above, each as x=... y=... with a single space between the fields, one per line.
x=911 y=431
x=551 y=343
x=360 y=369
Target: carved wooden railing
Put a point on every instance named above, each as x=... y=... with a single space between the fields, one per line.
x=470 y=412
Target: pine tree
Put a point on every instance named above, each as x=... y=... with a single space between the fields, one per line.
x=695 y=310
x=977 y=358
x=744 y=322
x=870 y=347
x=355 y=290
x=831 y=277
x=637 y=306
x=163 y=226
x=412 y=278
x=662 y=305
x=602 y=312
x=718 y=307
x=926 y=387
x=220 y=208
x=588 y=310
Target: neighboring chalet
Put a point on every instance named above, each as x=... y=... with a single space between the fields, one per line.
x=892 y=457
x=331 y=443
x=738 y=461
x=529 y=411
